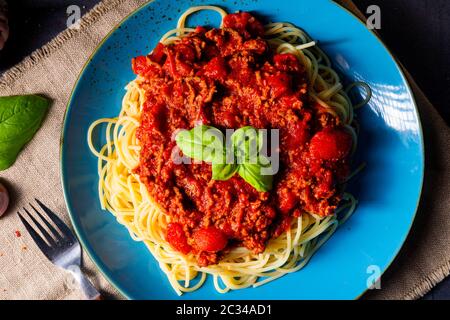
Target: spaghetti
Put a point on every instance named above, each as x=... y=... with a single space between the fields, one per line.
x=123 y=194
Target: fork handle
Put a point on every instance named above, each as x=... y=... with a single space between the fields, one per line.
x=90 y=292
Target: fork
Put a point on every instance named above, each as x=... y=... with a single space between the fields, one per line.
x=62 y=249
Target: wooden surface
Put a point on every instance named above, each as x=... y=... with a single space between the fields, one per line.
x=416 y=31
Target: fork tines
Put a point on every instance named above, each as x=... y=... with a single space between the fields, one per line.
x=60 y=233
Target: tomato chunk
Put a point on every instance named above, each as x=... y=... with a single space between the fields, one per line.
x=177 y=238
x=209 y=239
x=244 y=23
x=297 y=135
x=216 y=69
x=200 y=29
x=280 y=84
x=330 y=144
x=140 y=65
x=158 y=53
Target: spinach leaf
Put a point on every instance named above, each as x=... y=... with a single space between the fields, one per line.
x=203 y=143
x=20 y=118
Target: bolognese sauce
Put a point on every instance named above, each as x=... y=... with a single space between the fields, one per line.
x=231 y=78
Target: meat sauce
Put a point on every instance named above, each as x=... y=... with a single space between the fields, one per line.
x=230 y=78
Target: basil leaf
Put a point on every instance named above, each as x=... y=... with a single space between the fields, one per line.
x=252 y=173
x=202 y=143
x=8 y=156
x=20 y=118
x=206 y=144
x=223 y=171
x=247 y=142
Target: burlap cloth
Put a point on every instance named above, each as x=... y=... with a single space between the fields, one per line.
x=52 y=70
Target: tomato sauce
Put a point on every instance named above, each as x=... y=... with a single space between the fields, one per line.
x=231 y=78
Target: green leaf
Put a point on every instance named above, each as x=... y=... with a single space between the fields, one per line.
x=252 y=174
x=203 y=143
x=20 y=118
x=223 y=171
x=206 y=144
x=247 y=142
x=8 y=156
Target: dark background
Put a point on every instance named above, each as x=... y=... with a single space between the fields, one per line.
x=416 y=31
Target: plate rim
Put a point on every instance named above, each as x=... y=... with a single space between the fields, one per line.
x=77 y=228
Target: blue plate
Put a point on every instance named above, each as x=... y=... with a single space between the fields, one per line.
x=390 y=142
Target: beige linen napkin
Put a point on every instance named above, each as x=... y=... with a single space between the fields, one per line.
x=52 y=71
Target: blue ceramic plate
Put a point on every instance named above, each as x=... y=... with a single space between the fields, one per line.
x=391 y=144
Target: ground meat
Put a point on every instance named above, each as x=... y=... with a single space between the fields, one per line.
x=228 y=78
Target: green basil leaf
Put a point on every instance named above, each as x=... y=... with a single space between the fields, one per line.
x=8 y=156
x=20 y=118
x=253 y=175
x=207 y=144
x=266 y=165
x=223 y=171
x=247 y=142
x=202 y=143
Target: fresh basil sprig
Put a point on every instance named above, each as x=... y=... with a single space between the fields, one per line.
x=206 y=143
x=252 y=174
x=203 y=143
x=20 y=118
x=247 y=143
x=223 y=171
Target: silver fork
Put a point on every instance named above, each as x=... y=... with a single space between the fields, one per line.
x=61 y=248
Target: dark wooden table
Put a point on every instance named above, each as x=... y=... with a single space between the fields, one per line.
x=417 y=31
